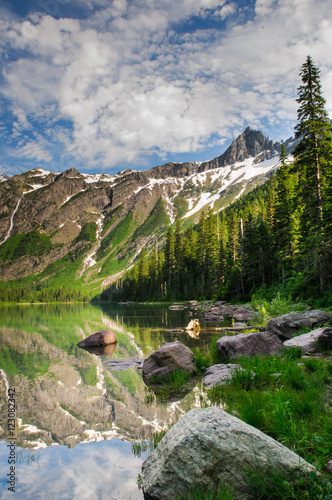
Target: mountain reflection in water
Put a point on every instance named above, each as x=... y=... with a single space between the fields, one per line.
x=77 y=420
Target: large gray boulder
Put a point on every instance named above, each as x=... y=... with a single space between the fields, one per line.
x=307 y=342
x=208 y=446
x=248 y=344
x=170 y=357
x=288 y=325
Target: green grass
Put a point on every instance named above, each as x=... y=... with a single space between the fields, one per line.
x=267 y=485
x=286 y=399
x=202 y=360
x=175 y=380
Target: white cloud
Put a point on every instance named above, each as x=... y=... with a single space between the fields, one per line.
x=227 y=10
x=131 y=86
x=35 y=151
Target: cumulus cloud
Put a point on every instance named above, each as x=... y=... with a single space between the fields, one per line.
x=136 y=79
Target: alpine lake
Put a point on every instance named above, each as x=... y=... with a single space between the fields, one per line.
x=75 y=427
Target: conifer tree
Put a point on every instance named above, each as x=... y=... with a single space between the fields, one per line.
x=313 y=157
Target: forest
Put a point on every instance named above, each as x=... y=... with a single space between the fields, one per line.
x=276 y=239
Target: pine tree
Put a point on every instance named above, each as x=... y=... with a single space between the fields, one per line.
x=313 y=157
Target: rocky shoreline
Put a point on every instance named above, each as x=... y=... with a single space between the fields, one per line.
x=209 y=446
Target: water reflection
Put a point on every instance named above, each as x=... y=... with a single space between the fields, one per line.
x=105 y=350
x=73 y=409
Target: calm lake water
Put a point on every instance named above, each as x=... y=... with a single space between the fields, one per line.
x=83 y=430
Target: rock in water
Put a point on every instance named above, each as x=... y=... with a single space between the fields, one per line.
x=248 y=344
x=207 y=446
x=170 y=357
x=98 y=339
x=193 y=325
x=288 y=325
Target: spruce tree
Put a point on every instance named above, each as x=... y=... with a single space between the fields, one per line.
x=313 y=157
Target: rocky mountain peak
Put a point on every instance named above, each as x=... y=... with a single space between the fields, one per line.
x=247 y=145
x=70 y=173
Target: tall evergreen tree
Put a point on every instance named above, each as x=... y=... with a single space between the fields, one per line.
x=313 y=157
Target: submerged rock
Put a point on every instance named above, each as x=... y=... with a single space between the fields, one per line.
x=207 y=446
x=288 y=325
x=248 y=344
x=120 y=365
x=102 y=338
x=170 y=357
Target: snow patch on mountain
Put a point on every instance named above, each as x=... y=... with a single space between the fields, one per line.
x=92 y=178
x=229 y=175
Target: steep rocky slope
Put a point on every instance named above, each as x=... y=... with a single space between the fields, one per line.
x=101 y=222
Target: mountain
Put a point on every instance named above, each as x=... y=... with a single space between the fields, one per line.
x=62 y=227
x=4 y=177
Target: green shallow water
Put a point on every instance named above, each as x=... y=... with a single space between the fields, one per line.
x=81 y=428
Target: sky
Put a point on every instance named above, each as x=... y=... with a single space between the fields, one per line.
x=107 y=85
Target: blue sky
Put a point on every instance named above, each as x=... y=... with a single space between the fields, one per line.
x=105 y=85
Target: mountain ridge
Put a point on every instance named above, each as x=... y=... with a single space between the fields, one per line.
x=121 y=213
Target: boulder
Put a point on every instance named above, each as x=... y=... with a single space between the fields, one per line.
x=208 y=446
x=98 y=339
x=325 y=339
x=219 y=374
x=192 y=304
x=307 y=342
x=242 y=314
x=288 y=325
x=214 y=315
x=248 y=344
x=227 y=310
x=170 y=357
x=176 y=307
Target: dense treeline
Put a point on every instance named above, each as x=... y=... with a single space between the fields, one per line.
x=280 y=235
x=30 y=294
